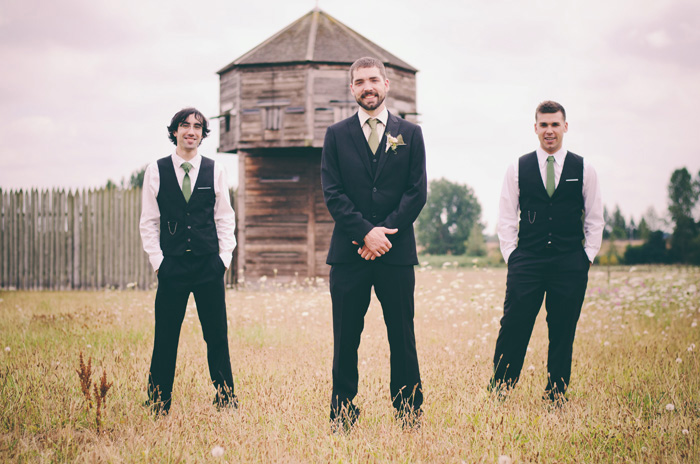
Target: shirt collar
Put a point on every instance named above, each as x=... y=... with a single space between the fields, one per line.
x=195 y=162
x=558 y=156
x=364 y=116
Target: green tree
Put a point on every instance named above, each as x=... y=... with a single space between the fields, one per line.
x=136 y=179
x=618 y=224
x=643 y=230
x=682 y=197
x=448 y=217
x=476 y=246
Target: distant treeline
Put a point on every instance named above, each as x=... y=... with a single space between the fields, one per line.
x=681 y=246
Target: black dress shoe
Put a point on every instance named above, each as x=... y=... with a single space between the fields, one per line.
x=157 y=408
x=225 y=402
x=343 y=419
x=409 y=418
x=554 y=400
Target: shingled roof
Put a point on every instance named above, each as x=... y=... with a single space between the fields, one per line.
x=316 y=37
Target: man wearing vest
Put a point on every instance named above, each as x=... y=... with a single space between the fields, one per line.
x=548 y=251
x=187 y=227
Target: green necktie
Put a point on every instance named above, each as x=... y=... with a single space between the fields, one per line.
x=550 y=175
x=373 y=139
x=186 y=183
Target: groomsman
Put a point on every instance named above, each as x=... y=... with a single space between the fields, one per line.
x=187 y=227
x=374 y=185
x=549 y=249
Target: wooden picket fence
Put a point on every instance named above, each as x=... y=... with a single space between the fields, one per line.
x=62 y=240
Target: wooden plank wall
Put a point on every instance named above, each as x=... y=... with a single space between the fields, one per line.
x=63 y=240
x=287 y=226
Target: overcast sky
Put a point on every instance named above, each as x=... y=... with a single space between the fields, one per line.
x=87 y=88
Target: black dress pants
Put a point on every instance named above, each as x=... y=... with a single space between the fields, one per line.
x=563 y=279
x=179 y=276
x=351 y=286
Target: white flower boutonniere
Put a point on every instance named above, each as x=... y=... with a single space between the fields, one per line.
x=393 y=142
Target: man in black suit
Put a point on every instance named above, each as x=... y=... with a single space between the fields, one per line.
x=187 y=227
x=374 y=185
x=549 y=250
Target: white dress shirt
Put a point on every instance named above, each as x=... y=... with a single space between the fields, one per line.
x=382 y=118
x=509 y=205
x=224 y=216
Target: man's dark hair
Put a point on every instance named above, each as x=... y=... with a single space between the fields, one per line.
x=550 y=106
x=181 y=116
x=367 y=62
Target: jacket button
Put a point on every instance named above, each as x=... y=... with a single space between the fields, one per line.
x=550 y=219
x=189 y=227
x=189 y=239
x=374 y=189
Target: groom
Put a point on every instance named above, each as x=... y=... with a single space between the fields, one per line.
x=374 y=185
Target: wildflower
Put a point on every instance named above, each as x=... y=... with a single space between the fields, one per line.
x=679 y=360
x=217 y=451
x=670 y=407
x=694 y=324
x=686 y=431
x=7 y=349
x=606 y=343
x=503 y=459
x=304 y=314
x=531 y=368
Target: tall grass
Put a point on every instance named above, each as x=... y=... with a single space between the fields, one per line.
x=636 y=353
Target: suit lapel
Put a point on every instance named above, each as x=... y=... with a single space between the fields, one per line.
x=392 y=127
x=358 y=138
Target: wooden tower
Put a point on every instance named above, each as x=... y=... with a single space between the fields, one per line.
x=276 y=102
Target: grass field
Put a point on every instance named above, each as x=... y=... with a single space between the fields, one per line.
x=634 y=394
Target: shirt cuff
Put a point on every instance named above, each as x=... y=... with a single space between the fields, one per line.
x=226 y=258
x=506 y=253
x=156 y=260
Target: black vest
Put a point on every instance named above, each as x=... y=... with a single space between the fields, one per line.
x=187 y=225
x=551 y=223
x=374 y=157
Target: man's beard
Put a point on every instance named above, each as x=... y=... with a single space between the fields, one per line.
x=374 y=106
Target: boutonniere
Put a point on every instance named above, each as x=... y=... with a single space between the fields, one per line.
x=393 y=142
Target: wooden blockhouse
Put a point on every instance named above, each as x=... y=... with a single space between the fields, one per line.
x=276 y=102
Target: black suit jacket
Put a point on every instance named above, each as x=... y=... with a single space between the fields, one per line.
x=358 y=202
